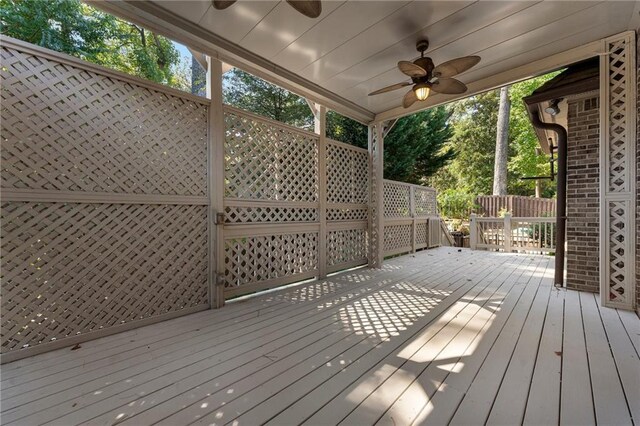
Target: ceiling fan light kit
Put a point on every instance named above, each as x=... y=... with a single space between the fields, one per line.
x=422 y=91
x=425 y=77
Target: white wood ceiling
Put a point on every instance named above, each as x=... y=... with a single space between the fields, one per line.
x=353 y=47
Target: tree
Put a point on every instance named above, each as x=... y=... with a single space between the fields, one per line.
x=75 y=28
x=474 y=123
x=253 y=94
x=525 y=156
x=415 y=148
x=502 y=144
x=344 y=129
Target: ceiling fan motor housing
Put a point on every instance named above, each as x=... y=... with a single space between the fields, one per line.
x=427 y=65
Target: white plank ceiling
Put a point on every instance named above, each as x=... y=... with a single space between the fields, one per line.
x=353 y=47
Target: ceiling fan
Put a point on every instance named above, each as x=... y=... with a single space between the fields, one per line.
x=425 y=77
x=310 y=8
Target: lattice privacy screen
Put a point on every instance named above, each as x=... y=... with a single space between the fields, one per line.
x=273 y=208
x=104 y=217
x=410 y=218
x=618 y=171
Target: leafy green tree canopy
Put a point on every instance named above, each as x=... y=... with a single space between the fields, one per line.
x=474 y=122
x=415 y=147
x=75 y=28
x=253 y=94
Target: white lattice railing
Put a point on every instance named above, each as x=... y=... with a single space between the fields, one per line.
x=410 y=218
x=513 y=234
x=104 y=201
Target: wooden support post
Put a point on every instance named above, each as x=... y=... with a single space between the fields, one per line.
x=320 y=128
x=473 y=232
x=412 y=212
x=216 y=184
x=507 y=232
x=376 y=195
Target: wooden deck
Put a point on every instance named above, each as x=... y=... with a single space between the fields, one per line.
x=438 y=337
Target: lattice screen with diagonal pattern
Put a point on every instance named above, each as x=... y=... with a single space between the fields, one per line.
x=618 y=171
x=410 y=217
x=272 y=204
x=73 y=132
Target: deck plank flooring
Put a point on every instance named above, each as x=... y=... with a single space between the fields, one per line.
x=437 y=337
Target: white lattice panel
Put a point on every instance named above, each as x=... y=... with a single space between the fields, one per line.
x=347 y=214
x=255 y=259
x=347 y=174
x=68 y=269
x=618 y=116
x=618 y=82
x=422 y=234
x=270 y=214
x=397 y=200
x=618 y=248
x=73 y=129
x=425 y=201
x=397 y=238
x=266 y=161
x=346 y=246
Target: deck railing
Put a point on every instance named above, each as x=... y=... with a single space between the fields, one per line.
x=513 y=234
x=517 y=205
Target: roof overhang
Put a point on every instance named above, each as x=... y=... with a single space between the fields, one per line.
x=157 y=19
x=498 y=69
x=578 y=79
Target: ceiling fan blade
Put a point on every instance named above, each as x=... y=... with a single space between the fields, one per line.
x=455 y=66
x=411 y=69
x=448 y=86
x=222 y=4
x=409 y=99
x=310 y=8
x=390 y=88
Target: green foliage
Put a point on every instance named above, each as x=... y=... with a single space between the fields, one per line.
x=454 y=204
x=474 y=121
x=75 y=28
x=253 y=94
x=344 y=129
x=415 y=148
x=526 y=157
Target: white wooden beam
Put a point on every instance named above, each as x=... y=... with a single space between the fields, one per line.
x=376 y=195
x=320 y=127
x=152 y=16
x=216 y=183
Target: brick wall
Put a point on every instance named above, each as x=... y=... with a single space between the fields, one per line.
x=582 y=195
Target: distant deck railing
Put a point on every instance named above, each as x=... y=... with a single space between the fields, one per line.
x=513 y=234
x=517 y=205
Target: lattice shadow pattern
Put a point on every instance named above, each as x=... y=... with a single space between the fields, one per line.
x=69 y=269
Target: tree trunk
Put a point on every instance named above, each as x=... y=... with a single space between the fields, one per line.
x=538 y=189
x=502 y=144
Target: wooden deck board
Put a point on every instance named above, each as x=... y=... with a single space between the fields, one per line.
x=437 y=337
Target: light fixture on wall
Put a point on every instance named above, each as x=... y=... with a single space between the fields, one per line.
x=422 y=91
x=552 y=108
